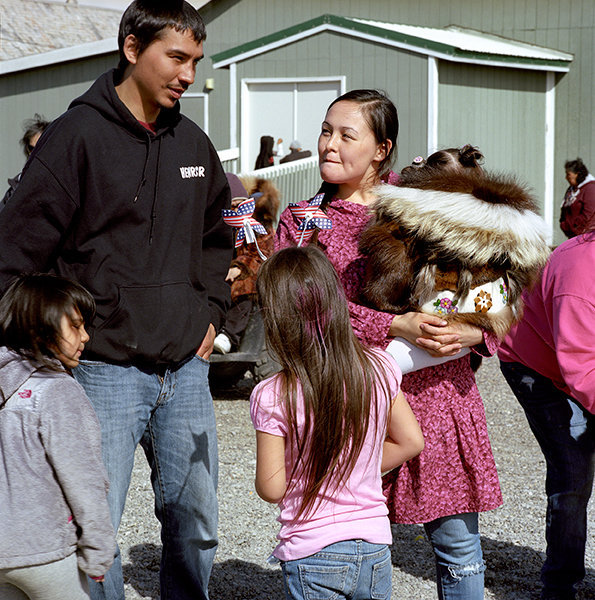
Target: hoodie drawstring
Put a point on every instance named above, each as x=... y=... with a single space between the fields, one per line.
x=143 y=179
x=153 y=206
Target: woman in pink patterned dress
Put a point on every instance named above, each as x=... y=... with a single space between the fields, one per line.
x=454 y=478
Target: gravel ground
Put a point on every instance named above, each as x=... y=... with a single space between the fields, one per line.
x=512 y=536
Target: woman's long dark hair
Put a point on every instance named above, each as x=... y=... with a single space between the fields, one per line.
x=31 y=314
x=266 y=152
x=308 y=329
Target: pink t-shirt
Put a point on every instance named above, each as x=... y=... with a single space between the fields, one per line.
x=358 y=509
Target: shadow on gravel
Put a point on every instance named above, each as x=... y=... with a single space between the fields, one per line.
x=143 y=573
x=238 y=579
x=512 y=571
x=230 y=580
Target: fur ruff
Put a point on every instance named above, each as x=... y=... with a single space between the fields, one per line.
x=453 y=232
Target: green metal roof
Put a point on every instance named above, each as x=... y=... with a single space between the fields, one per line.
x=451 y=43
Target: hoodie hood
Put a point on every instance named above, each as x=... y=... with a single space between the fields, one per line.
x=102 y=97
x=14 y=371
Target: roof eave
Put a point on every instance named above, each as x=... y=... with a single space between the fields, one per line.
x=382 y=36
x=53 y=57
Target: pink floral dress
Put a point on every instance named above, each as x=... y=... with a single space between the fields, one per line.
x=456 y=472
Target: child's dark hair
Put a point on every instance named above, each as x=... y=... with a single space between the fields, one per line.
x=308 y=329
x=466 y=157
x=147 y=19
x=577 y=167
x=31 y=314
x=381 y=116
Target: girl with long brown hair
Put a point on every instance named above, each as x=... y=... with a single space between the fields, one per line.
x=455 y=477
x=326 y=426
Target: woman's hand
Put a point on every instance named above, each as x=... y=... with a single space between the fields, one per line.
x=448 y=340
x=434 y=334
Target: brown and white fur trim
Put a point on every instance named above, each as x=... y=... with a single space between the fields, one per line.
x=453 y=231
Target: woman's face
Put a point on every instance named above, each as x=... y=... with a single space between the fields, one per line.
x=347 y=148
x=571 y=178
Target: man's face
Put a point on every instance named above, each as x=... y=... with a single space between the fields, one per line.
x=165 y=69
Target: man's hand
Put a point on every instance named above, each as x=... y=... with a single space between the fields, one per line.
x=206 y=348
x=233 y=274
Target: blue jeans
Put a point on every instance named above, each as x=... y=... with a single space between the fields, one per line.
x=459 y=559
x=352 y=569
x=172 y=416
x=565 y=432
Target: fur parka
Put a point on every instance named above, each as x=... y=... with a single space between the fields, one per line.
x=444 y=230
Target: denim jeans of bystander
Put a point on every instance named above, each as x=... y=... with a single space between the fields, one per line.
x=565 y=432
x=172 y=416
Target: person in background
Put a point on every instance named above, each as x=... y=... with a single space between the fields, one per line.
x=548 y=359
x=247 y=260
x=33 y=128
x=55 y=525
x=326 y=426
x=267 y=153
x=578 y=209
x=454 y=477
x=123 y=195
x=295 y=153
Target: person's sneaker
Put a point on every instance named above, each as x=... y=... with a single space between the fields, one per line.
x=222 y=344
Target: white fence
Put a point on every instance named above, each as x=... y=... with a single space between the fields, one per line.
x=297 y=180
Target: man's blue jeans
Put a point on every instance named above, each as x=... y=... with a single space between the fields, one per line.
x=172 y=417
x=565 y=432
x=352 y=569
x=459 y=559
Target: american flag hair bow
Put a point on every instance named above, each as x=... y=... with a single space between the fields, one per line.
x=312 y=216
x=241 y=217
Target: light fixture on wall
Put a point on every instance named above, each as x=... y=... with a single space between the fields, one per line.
x=209 y=84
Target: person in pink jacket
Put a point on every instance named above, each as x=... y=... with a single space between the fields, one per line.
x=548 y=359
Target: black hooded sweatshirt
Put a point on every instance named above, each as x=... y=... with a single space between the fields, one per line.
x=133 y=216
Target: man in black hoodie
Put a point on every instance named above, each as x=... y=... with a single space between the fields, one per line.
x=124 y=195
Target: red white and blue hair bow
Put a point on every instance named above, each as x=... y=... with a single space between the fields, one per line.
x=311 y=216
x=241 y=217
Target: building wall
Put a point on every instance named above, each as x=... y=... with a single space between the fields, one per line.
x=502 y=111
x=313 y=57
x=566 y=26
x=47 y=91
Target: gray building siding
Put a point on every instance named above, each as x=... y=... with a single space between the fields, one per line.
x=47 y=91
x=313 y=57
x=564 y=26
x=502 y=111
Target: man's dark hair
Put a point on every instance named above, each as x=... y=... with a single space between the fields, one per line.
x=147 y=19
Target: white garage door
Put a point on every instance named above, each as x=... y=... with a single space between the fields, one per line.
x=286 y=109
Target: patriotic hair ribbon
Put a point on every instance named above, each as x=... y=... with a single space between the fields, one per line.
x=241 y=217
x=311 y=217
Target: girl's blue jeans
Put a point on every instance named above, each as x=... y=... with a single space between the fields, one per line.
x=352 y=569
x=565 y=432
x=459 y=559
x=171 y=415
